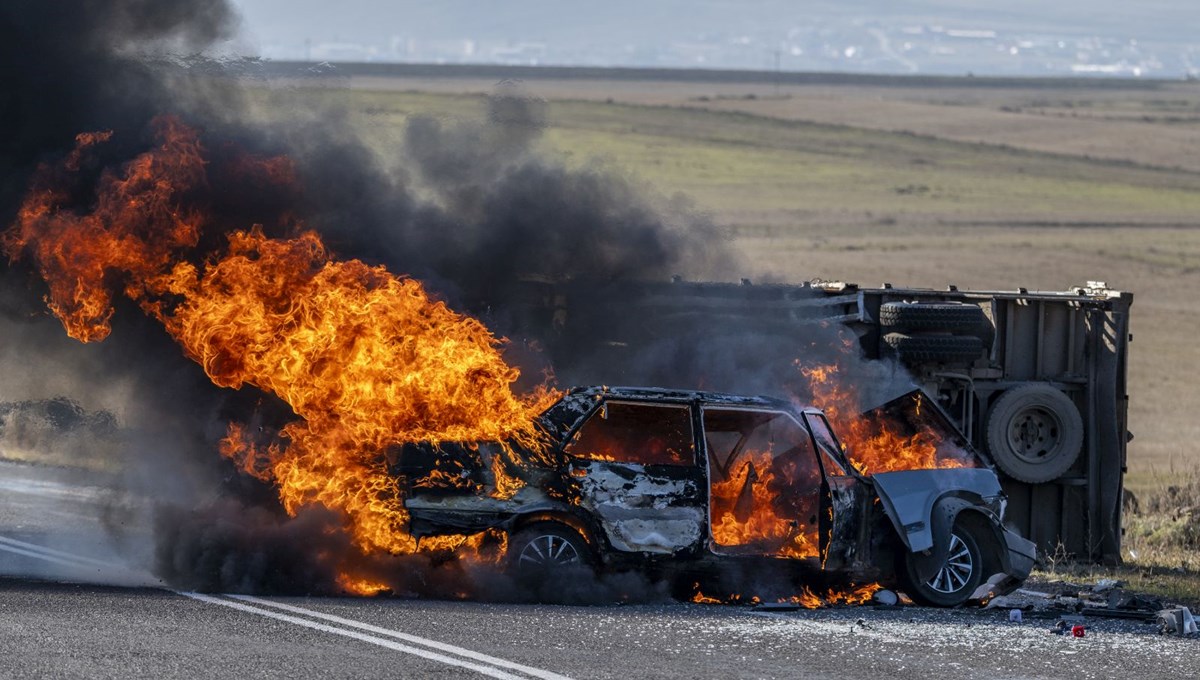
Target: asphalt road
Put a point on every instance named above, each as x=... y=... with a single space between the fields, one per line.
x=57 y=621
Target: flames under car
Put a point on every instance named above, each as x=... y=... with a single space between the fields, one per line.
x=698 y=485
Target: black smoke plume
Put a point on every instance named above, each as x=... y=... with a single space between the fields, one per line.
x=475 y=208
x=472 y=208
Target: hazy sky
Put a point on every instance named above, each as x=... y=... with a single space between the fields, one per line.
x=1014 y=35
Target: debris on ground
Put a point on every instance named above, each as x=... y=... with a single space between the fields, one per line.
x=1073 y=605
x=1106 y=584
x=886 y=598
x=1073 y=608
x=991 y=589
x=1177 y=621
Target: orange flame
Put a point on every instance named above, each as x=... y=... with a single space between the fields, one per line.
x=806 y=598
x=360 y=586
x=747 y=509
x=874 y=443
x=365 y=358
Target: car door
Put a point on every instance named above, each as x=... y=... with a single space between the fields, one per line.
x=635 y=466
x=764 y=482
x=844 y=526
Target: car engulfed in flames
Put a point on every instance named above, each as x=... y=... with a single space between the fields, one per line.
x=405 y=425
x=719 y=490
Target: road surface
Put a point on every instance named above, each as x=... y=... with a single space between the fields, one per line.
x=58 y=619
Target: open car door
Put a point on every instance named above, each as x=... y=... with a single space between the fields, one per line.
x=766 y=495
x=844 y=527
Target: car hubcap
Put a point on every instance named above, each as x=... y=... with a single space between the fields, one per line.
x=956 y=571
x=549 y=552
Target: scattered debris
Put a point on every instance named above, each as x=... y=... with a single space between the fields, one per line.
x=1017 y=600
x=1177 y=621
x=1106 y=584
x=886 y=598
x=1072 y=605
x=995 y=586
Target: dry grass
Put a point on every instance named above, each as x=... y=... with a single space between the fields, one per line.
x=1162 y=543
x=1157 y=125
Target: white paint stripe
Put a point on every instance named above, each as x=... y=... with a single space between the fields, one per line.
x=41 y=556
x=59 y=553
x=442 y=646
x=79 y=561
x=423 y=653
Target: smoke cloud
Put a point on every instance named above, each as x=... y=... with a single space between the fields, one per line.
x=475 y=209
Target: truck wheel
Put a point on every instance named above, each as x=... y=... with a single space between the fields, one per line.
x=1034 y=433
x=956 y=579
x=547 y=551
x=935 y=348
x=950 y=317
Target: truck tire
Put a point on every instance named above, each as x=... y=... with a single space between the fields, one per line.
x=935 y=348
x=950 y=317
x=1034 y=433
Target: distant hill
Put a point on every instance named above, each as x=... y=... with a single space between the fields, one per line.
x=974 y=34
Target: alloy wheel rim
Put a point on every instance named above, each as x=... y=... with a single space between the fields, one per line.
x=548 y=552
x=957 y=570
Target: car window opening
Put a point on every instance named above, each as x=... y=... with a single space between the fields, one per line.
x=643 y=434
x=764 y=483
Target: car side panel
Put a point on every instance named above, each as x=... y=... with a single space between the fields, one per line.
x=655 y=509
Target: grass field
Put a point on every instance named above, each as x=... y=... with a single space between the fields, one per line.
x=983 y=188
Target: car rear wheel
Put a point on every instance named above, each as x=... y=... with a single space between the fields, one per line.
x=957 y=577
x=548 y=550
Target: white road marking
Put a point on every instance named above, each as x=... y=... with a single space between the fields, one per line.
x=490 y=671
x=442 y=646
x=490 y=665
x=41 y=556
x=70 y=559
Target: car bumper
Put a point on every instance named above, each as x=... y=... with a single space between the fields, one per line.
x=1019 y=557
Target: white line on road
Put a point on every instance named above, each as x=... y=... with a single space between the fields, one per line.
x=442 y=646
x=489 y=665
x=41 y=556
x=490 y=671
x=70 y=559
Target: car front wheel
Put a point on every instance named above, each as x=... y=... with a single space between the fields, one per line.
x=957 y=577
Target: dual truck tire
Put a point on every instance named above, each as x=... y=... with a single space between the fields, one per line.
x=934 y=332
x=1034 y=431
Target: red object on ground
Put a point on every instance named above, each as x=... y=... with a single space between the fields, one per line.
x=1077 y=631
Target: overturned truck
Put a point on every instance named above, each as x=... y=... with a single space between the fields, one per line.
x=1034 y=379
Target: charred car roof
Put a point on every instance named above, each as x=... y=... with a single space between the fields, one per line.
x=665 y=394
x=579 y=401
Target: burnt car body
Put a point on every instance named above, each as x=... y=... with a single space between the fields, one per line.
x=682 y=482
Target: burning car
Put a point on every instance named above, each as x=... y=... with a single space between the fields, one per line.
x=688 y=483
